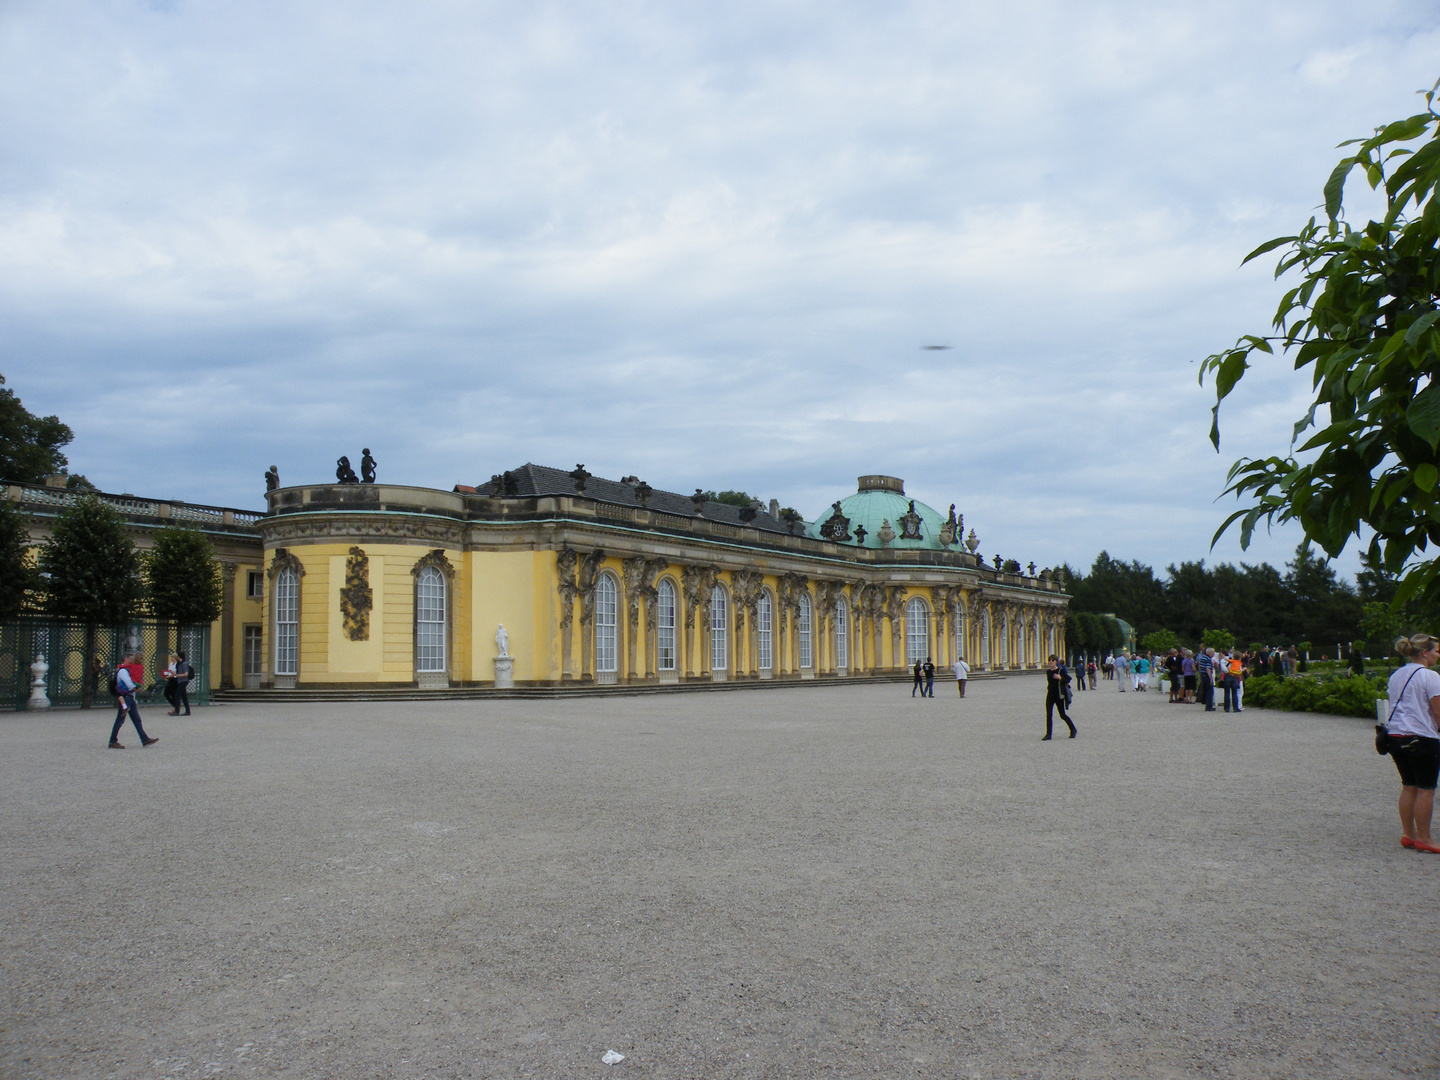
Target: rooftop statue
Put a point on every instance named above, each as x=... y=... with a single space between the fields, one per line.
x=367 y=467
x=343 y=472
x=837 y=525
x=272 y=478
x=910 y=523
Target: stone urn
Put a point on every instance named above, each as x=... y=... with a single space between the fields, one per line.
x=38 y=698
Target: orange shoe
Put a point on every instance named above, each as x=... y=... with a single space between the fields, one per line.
x=1426 y=845
x=1405 y=841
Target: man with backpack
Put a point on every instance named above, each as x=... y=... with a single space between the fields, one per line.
x=122 y=685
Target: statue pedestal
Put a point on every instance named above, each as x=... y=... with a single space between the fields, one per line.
x=38 y=698
x=504 y=672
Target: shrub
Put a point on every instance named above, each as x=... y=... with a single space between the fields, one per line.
x=1352 y=696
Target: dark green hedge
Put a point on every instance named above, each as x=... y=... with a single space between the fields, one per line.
x=1353 y=696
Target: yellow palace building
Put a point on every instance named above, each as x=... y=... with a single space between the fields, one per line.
x=548 y=578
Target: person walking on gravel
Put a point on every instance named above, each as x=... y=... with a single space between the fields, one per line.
x=125 y=695
x=1055 y=679
x=1411 y=736
x=962 y=672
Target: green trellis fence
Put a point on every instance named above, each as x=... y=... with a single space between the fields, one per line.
x=63 y=645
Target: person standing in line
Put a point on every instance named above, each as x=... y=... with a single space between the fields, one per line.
x=918 y=685
x=125 y=694
x=962 y=672
x=1411 y=737
x=184 y=672
x=1205 y=668
x=1225 y=671
x=929 y=670
x=1122 y=670
x=1187 y=672
x=1173 y=664
x=1055 y=679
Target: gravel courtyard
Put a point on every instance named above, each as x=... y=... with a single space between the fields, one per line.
x=811 y=882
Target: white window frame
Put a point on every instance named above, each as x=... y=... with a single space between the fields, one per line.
x=287 y=622
x=254 y=585
x=607 y=621
x=842 y=635
x=719 y=629
x=765 y=632
x=665 y=606
x=917 y=630
x=431 y=654
x=803 y=625
x=252 y=649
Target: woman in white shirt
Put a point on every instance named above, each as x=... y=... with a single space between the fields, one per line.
x=1411 y=734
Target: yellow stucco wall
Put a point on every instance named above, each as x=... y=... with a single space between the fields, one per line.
x=509 y=587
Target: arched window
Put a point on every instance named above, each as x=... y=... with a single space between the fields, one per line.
x=719 y=630
x=430 y=620
x=665 y=625
x=842 y=634
x=287 y=622
x=764 y=618
x=606 y=610
x=802 y=631
x=917 y=630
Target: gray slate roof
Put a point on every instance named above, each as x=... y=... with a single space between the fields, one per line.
x=532 y=480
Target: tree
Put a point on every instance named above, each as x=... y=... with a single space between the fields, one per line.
x=1364 y=318
x=91 y=572
x=1160 y=641
x=29 y=444
x=17 y=574
x=183 y=577
x=732 y=498
x=1220 y=640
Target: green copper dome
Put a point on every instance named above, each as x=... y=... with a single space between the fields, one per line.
x=880 y=499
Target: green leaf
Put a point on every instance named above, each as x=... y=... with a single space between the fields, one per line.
x=1419 y=326
x=1423 y=415
x=1229 y=374
x=1425 y=477
x=1269 y=245
x=1335 y=188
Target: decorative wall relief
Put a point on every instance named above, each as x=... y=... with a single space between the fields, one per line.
x=356 y=599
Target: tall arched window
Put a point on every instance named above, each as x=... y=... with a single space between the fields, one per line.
x=802 y=631
x=842 y=634
x=430 y=620
x=917 y=630
x=287 y=622
x=764 y=618
x=665 y=625
x=719 y=630
x=606 y=610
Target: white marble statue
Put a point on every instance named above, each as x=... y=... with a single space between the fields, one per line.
x=502 y=640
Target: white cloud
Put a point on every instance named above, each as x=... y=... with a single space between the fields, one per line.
x=702 y=245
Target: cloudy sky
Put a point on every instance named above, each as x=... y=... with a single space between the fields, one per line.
x=702 y=243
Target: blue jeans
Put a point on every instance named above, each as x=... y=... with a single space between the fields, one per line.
x=127 y=704
x=1231 y=686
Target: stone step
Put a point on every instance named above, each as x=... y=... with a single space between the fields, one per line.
x=466 y=693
